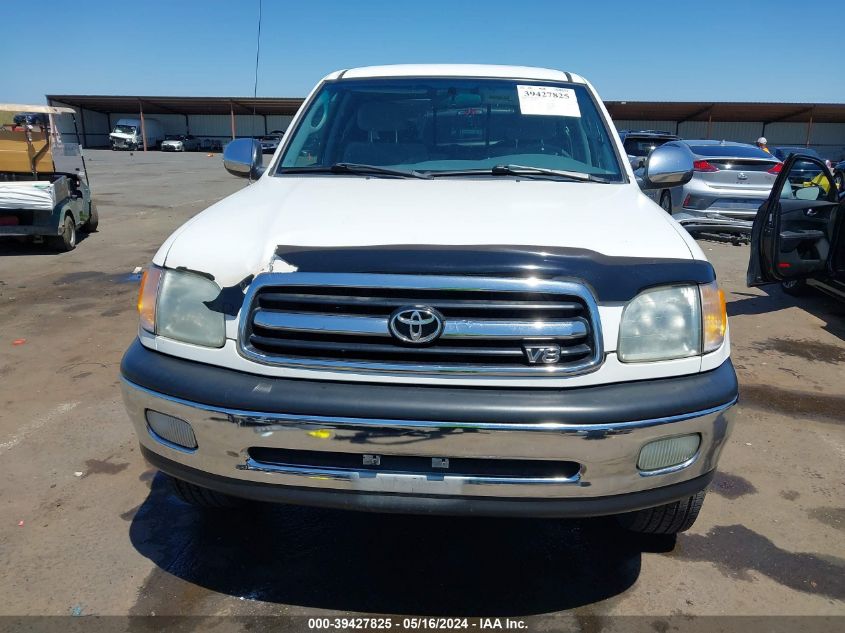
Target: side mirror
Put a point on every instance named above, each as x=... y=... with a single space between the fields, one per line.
x=668 y=166
x=242 y=157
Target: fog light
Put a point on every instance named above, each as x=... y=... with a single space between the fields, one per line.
x=173 y=430
x=667 y=452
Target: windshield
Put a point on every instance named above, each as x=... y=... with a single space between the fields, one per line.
x=784 y=152
x=124 y=129
x=642 y=147
x=730 y=151
x=431 y=125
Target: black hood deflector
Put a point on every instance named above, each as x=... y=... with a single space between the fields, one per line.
x=611 y=278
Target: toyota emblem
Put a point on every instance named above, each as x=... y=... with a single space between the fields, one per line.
x=416 y=324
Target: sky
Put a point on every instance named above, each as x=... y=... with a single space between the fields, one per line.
x=719 y=50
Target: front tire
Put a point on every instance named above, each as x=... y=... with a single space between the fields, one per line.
x=666 y=202
x=66 y=241
x=666 y=519
x=202 y=497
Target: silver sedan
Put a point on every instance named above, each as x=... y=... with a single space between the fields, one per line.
x=730 y=182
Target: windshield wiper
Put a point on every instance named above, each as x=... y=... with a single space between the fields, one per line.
x=353 y=168
x=526 y=171
x=358 y=168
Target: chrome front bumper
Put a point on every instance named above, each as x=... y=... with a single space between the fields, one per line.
x=607 y=453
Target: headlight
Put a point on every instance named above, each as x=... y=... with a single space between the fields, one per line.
x=661 y=324
x=172 y=303
x=673 y=322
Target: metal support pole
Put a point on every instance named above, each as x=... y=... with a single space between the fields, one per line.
x=82 y=140
x=143 y=127
x=232 y=115
x=809 y=128
x=187 y=125
x=709 y=122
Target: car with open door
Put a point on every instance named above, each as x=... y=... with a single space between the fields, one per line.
x=797 y=235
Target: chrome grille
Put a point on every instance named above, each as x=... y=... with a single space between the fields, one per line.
x=340 y=321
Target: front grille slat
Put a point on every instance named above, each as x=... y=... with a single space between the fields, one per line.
x=342 y=322
x=384 y=305
x=299 y=346
x=346 y=324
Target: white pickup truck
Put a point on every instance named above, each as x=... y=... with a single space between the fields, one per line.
x=445 y=294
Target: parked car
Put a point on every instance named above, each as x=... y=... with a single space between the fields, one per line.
x=211 y=145
x=798 y=234
x=782 y=153
x=44 y=193
x=804 y=172
x=459 y=303
x=269 y=143
x=30 y=118
x=127 y=134
x=639 y=143
x=180 y=143
x=730 y=182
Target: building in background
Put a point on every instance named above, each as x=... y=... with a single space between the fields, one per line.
x=821 y=126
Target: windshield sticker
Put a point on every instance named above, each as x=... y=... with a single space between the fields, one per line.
x=548 y=101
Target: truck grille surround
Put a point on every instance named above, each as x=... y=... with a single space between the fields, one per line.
x=478 y=325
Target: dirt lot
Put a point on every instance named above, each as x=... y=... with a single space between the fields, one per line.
x=88 y=528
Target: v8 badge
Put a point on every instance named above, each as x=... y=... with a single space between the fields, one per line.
x=542 y=354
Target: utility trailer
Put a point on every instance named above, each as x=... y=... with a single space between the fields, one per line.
x=44 y=192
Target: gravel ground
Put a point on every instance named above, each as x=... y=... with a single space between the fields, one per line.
x=88 y=528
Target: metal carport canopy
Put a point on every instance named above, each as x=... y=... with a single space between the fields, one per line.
x=726 y=111
x=107 y=104
x=621 y=110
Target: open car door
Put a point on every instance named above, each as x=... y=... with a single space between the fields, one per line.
x=797 y=231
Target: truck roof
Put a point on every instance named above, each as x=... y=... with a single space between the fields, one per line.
x=457 y=70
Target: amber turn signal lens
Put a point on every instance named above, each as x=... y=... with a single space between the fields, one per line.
x=714 y=314
x=147 y=295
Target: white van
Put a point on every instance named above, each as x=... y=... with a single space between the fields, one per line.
x=127 y=134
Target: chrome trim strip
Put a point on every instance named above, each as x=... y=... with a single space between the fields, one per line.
x=344 y=474
x=321 y=323
x=453 y=328
x=420 y=282
x=263 y=422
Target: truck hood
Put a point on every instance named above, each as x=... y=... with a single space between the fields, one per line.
x=239 y=235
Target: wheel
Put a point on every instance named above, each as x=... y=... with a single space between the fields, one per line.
x=93 y=220
x=67 y=240
x=795 y=287
x=202 y=497
x=666 y=202
x=666 y=519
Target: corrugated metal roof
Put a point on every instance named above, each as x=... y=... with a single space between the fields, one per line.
x=727 y=111
x=180 y=105
x=619 y=110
